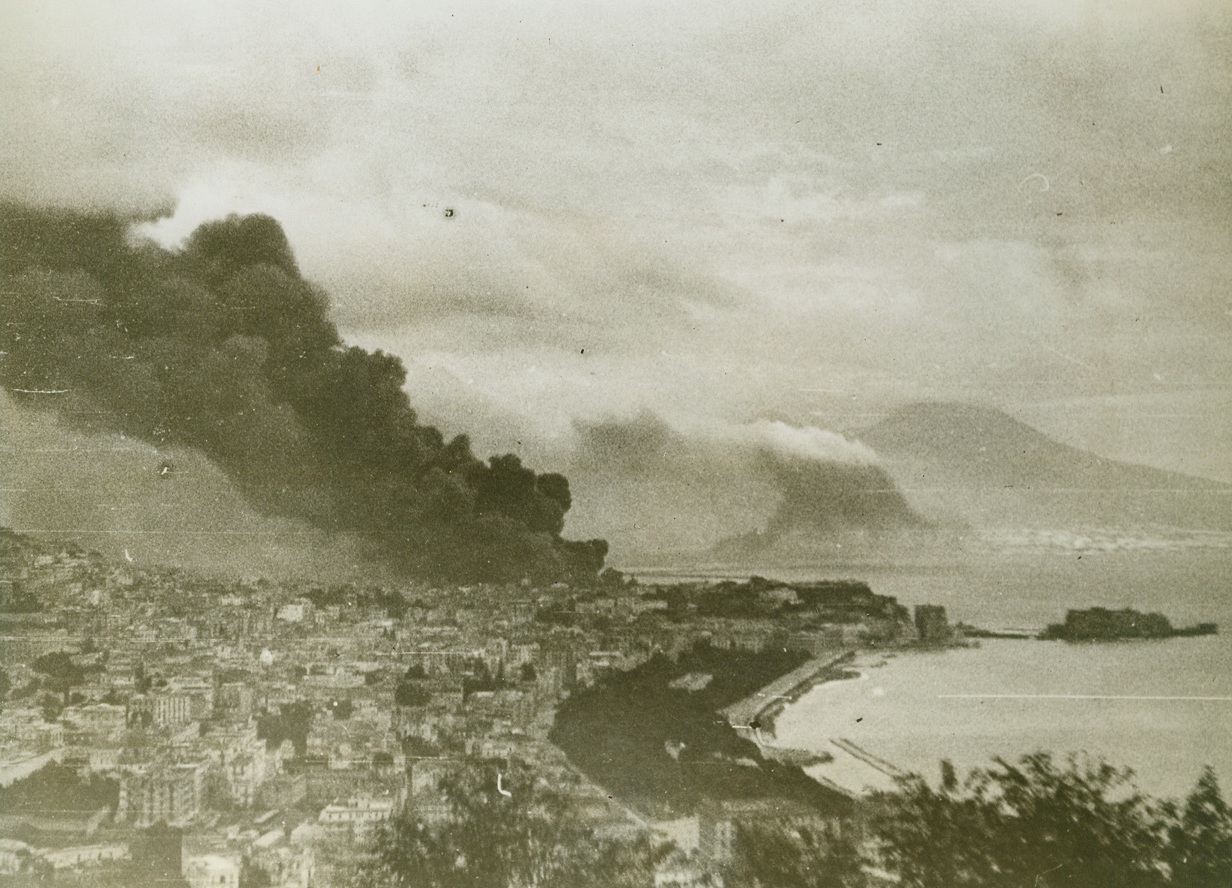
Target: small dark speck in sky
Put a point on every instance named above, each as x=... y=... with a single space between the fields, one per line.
x=449 y=213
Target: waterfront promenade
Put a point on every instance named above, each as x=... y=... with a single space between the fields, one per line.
x=784 y=689
x=847 y=768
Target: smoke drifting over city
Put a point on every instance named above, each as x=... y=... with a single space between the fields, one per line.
x=759 y=483
x=224 y=347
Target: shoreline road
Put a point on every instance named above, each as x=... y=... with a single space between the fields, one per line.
x=782 y=690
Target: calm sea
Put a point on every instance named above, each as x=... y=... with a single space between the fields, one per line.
x=1133 y=703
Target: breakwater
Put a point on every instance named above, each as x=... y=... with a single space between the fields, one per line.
x=759 y=708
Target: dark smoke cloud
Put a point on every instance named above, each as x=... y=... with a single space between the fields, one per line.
x=747 y=488
x=223 y=346
x=156 y=505
x=835 y=496
x=639 y=448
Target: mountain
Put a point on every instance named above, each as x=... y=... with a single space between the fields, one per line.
x=962 y=462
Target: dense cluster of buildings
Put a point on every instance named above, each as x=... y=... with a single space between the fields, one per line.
x=266 y=728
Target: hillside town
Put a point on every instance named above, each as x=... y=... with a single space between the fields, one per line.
x=161 y=725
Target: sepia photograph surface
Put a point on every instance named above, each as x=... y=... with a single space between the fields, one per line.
x=650 y=445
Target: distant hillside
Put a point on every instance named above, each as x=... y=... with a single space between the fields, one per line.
x=977 y=464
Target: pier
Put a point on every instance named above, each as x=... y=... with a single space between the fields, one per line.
x=784 y=689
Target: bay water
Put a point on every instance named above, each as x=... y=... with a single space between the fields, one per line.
x=1162 y=708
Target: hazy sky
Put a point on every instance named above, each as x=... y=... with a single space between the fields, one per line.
x=719 y=214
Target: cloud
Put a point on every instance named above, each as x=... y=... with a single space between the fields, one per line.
x=728 y=212
x=809 y=443
x=666 y=487
x=637 y=448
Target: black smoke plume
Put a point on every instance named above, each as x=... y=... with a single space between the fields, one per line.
x=742 y=491
x=830 y=497
x=223 y=346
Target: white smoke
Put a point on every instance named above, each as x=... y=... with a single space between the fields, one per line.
x=803 y=442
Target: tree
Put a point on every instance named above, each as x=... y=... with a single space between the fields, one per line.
x=291 y=723
x=513 y=834
x=217 y=789
x=1199 y=851
x=1033 y=824
x=141 y=681
x=60 y=787
x=410 y=693
x=61 y=672
x=801 y=857
x=253 y=876
x=934 y=839
x=1084 y=824
x=51 y=706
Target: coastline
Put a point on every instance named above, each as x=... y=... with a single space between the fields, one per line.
x=757 y=712
x=668 y=751
x=1008 y=699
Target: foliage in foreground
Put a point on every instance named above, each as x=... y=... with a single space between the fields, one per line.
x=1030 y=824
x=800 y=857
x=487 y=839
x=1035 y=823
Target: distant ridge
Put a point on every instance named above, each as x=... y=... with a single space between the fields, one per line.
x=979 y=464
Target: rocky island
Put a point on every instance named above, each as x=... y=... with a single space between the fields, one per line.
x=1102 y=624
